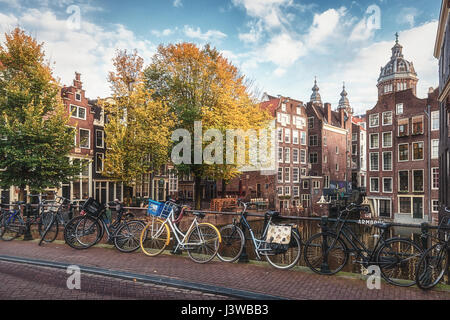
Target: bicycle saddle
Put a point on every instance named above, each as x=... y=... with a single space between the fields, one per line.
x=383 y=226
x=272 y=214
x=201 y=215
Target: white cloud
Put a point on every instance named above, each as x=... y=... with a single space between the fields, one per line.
x=268 y=11
x=164 y=33
x=89 y=50
x=408 y=16
x=177 y=3
x=324 y=25
x=204 y=36
x=283 y=50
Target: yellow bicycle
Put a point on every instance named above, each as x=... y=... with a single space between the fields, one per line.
x=201 y=241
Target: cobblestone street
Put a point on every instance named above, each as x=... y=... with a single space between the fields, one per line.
x=257 y=278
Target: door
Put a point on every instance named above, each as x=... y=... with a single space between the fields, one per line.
x=418 y=208
x=385 y=208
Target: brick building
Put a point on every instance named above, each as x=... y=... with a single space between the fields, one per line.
x=402 y=145
x=330 y=148
x=442 y=52
x=359 y=153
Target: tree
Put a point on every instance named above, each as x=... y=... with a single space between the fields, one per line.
x=35 y=140
x=199 y=84
x=138 y=127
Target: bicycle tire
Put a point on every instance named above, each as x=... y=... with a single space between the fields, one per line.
x=232 y=245
x=395 y=269
x=432 y=267
x=70 y=230
x=10 y=231
x=314 y=258
x=203 y=243
x=155 y=237
x=50 y=234
x=127 y=237
x=281 y=261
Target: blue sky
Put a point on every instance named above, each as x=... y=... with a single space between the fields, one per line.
x=281 y=45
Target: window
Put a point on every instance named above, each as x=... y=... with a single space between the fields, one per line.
x=283 y=107
x=85 y=139
x=417 y=208
x=78 y=112
x=385 y=208
x=387 y=139
x=305 y=200
x=355 y=149
x=99 y=162
x=417 y=180
x=403 y=127
x=387 y=161
x=295 y=175
x=295 y=155
x=295 y=191
x=99 y=138
x=305 y=184
x=287 y=135
x=287 y=174
x=399 y=108
x=434 y=149
x=326 y=182
x=313 y=158
x=435 y=177
x=325 y=141
x=313 y=141
x=403 y=181
x=280 y=175
x=435 y=121
x=417 y=125
x=435 y=205
x=280 y=191
x=374 y=185
x=337 y=166
x=280 y=154
x=403 y=152
x=354 y=137
x=295 y=137
x=387 y=118
x=405 y=204
x=280 y=135
x=387 y=185
x=71 y=130
x=374 y=141
x=78 y=96
x=303 y=138
x=303 y=156
x=325 y=159
x=337 y=149
x=374 y=120
x=417 y=150
x=287 y=155
x=311 y=123
x=303 y=172
x=316 y=184
x=374 y=161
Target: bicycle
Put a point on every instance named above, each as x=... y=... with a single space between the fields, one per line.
x=95 y=220
x=434 y=262
x=283 y=255
x=201 y=240
x=327 y=253
x=13 y=224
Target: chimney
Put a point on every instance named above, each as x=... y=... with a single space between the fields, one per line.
x=430 y=90
x=328 y=112
x=77 y=82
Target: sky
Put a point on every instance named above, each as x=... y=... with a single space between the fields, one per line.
x=280 y=45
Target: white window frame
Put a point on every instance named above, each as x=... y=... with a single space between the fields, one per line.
x=303 y=138
x=295 y=151
x=295 y=176
x=392 y=116
x=78 y=93
x=280 y=154
x=287 y=135
x=433 y=205
x=392 y=139
x=303 y=160
x=392 y=184
x=398 y=152
x=287 y=174
x=309 y=123
x=295 y=137
x=370 y=161
x=392 y=161
x=78 y=112
x=103 y=138
x=96 y=162
x=433 y=117
x=432 y=178
x=280 y=178
x=412 y=150
x=414 y=183
x=397 y=108
x=287 y=155
x=434 y=155
x=374 y=116
x=371 y=147
x=399 y=184
x=287 y=190
x=374 y=178
x=89 y=138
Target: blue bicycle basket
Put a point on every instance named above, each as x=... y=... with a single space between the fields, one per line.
x=154 y=208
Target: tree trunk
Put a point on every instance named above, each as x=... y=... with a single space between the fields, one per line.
x=197 y=192
x=224 y=188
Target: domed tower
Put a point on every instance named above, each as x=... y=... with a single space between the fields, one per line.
x=344 y=108
x=315 y=97
x=398 y=75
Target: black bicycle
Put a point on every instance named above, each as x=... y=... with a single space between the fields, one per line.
x=328 y=252
x=434 y=263
x=95 y=220
x=281 y=245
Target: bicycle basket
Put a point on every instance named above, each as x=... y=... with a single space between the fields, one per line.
x=92 y=207
x=279 y=234
x=167 y=209
x=154 y=208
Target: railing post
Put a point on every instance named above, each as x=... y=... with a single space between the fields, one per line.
x=28 y=236
x=243 y=258
x=324 y=268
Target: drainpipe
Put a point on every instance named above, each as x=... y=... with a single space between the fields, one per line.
x=428 y=114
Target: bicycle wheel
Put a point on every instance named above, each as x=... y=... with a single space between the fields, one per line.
x=50 y=232
x=82 y=232
x=203 y=243
x=287 y=260
x=11 y=227
x=127 y=236
x=397 y=259
x=432 y=267
x=155 y=237
x=337 y=254
x=233 y=241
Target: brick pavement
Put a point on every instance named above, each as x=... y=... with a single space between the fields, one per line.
x=259 y=278
x=25 y=282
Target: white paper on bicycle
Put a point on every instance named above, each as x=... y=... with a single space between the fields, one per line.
x=279 y=234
